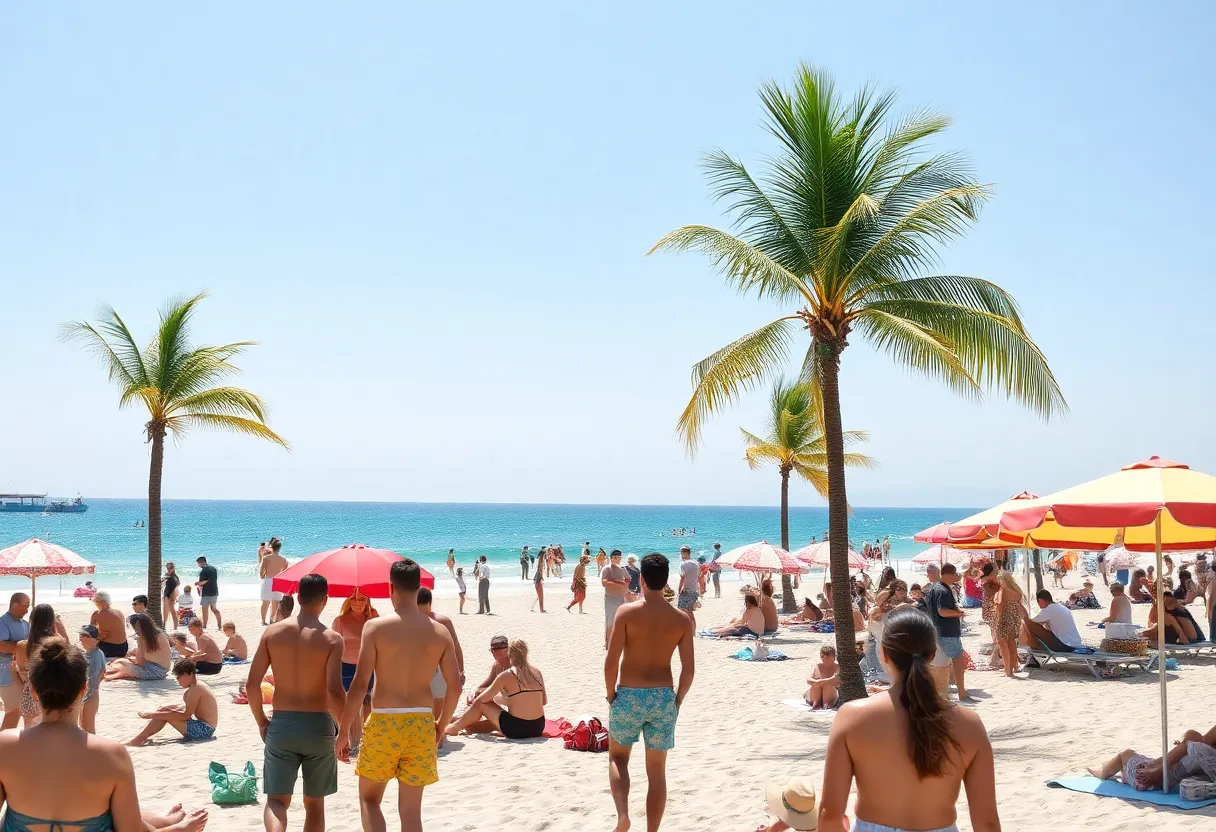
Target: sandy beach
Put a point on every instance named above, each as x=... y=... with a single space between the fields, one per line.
x=734 y=735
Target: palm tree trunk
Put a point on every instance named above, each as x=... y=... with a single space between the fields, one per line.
x=852 y=683
x=787 y=584
x=1037 y=567
x=155 y=469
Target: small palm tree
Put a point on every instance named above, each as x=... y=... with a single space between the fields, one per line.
x=795 y=443
x=179 y=384
x=841 y=229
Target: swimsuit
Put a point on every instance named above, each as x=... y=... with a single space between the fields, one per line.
x=611 y=605
x=348 y=676
x=514 y=728
x=952 y=646
x=439 y=687
x=651 y=712
x=149 y=671
x=687 y=599
x=113 y=649
x=208 y=668
x=866 y=826
x=196 y=729
x=295 y=740
x=399 y=743
x=14 y=821
x=268 y=593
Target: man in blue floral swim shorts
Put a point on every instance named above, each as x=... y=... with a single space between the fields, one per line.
x=646 y=702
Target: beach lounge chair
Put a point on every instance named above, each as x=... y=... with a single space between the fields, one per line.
x=1046 y=656
x=1195 y=648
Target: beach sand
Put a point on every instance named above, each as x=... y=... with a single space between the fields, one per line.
x=734 y=735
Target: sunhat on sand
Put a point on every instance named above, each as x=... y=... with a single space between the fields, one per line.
x=794 y=803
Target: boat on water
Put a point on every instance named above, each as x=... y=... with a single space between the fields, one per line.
x=39 y=504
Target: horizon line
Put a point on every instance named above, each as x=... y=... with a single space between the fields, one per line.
x=554 y=505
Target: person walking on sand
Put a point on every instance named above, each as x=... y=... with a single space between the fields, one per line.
x=401 y=736
x=195 y=719
x=578 y=584
x=615 y=581
x=538 y=585
x=483 y=586
x=36 y=764
x=908 y=750
x=690 y=576
x=715 y=569
x=356 y=611
x=208 y=590
x=646 y=702
x=461 y=589
x=13 y=629
x=306 y=659
x=524 y=563
x=439 y=688
x=451 y=563
x=271 y=564
x=947 y=619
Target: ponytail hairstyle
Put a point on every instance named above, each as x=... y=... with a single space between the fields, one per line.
x=58 y=674
x=909 y=642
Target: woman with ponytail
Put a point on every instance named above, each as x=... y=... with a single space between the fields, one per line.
x=908 y=748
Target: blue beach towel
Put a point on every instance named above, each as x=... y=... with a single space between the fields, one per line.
x=236 y=661
x=1113 y=788
x=745 y=655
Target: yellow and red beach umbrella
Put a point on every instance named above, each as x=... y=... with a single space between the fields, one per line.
x=979 y=529
x=1156 y=505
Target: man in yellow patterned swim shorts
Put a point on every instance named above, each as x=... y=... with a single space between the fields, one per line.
x=401 y=735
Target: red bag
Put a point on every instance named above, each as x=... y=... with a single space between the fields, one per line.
x=588 y=735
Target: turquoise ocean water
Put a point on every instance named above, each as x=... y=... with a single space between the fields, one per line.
x=228 y=532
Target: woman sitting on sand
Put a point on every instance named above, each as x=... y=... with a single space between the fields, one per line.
x=749 y=623
x=1084 y=598
x=523 y=689
x=909 y=750
x=153 y=653
x=1138 y=591
x=809 y=614
x=102 y=796
x=824 y=681
x=1180 y=626
x=42 y=627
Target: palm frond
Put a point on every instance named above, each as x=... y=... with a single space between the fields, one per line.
x=746 y=267
x=224 y=421
x=170 y=347
x=120 y=369
x=221 y=400
x=759 y=452
x=756 y=215
x=739 y=366
x=917 y=348
x=996 y=351
x=203 y=367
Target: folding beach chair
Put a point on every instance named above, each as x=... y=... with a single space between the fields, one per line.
x=1094 y=661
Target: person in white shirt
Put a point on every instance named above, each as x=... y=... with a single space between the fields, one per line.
x=1053 y=626
x=690 y=580
x=483 y=586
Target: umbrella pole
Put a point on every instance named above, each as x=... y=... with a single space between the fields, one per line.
x=1165 y=737
x=33 y=590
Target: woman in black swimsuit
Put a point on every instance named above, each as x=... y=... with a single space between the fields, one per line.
x=523 y=692
x=171 y=582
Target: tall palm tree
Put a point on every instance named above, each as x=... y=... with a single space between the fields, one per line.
x=180 y=385
x=795 y=442
x=841 y=228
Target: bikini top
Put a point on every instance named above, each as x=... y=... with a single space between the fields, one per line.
x=522 y=689
x=14 y=821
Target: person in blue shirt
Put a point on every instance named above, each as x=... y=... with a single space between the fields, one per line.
x=13 y=628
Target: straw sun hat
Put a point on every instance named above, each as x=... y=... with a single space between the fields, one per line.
x=794 y=803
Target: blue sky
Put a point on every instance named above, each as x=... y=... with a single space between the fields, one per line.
x=434 y=221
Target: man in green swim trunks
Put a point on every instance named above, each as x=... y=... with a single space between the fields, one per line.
x=646 y=702
x=306 y=658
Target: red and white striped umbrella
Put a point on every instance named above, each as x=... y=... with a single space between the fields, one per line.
x=762 y=557
x=818 y=554
x=35 y=558
x=941 y=553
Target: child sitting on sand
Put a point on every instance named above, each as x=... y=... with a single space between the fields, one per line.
x=185 y=606
x=235 y=649
x=824 y=680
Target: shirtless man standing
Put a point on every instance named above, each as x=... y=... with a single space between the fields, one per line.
x=269 y=566
x=401 y=736
x=306 y=659
x=616 y=586
x=645 y=636
x=439 y=689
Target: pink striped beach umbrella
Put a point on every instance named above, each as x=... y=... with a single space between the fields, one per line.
x=35 y=558
x=818 y=554
x=763 y=558
x=941 y=553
